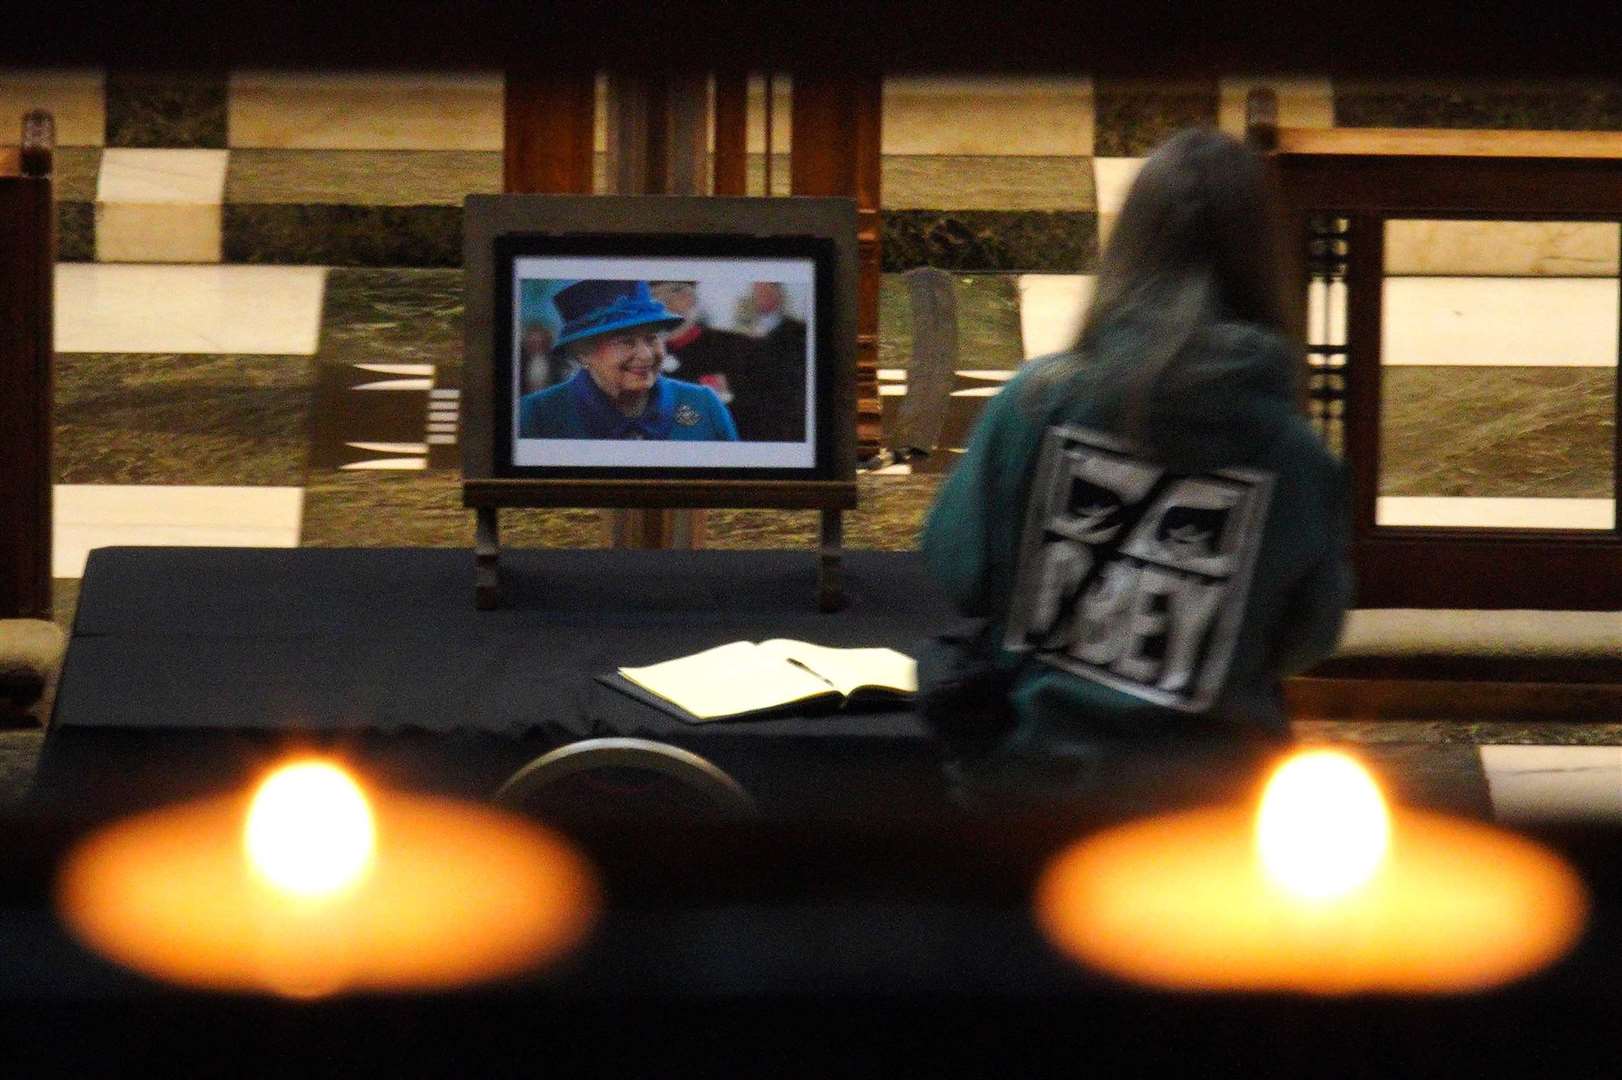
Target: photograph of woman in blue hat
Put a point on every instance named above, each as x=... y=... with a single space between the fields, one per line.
x=616 y=331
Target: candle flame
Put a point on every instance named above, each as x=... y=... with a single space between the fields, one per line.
x=1323 y=829
x=310 y=830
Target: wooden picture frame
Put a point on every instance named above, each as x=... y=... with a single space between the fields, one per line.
x=499 y=472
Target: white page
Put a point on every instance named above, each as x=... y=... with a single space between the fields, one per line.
x=728 y=679
x=851 y=669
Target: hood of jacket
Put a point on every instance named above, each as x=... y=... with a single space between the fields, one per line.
x=1220 y=402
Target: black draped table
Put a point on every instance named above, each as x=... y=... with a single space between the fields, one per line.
x=884 y=943
x=187 y=666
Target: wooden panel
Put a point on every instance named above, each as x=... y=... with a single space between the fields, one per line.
x=1516 y=186
x=1451 y=142
x=1432 y=567
x=1488 y=570
x=550 y=118
x=835 y=151
x=26 y=248
x=770 y=494
x=731 y=133
x=1365 y=296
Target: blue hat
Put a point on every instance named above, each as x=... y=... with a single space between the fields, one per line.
x=597 y=307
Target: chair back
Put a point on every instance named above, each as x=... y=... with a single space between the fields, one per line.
x=624 y=779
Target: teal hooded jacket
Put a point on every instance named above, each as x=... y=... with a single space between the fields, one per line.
x=1134 y=593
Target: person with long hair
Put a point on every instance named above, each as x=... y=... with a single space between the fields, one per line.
x=1146 y=523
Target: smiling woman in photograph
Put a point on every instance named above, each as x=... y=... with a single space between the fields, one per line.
x=616 y=331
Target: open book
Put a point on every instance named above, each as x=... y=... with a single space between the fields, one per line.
x=745 y=678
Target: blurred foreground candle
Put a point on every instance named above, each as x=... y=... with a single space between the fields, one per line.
x=311 y=888
x=1321 y=891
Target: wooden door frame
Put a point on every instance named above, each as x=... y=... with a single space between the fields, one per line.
x=1429 y=567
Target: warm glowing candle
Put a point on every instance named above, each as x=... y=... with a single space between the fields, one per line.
x=311 y=888
x=1322 y=890
x=1323 y=828
x=310 y=830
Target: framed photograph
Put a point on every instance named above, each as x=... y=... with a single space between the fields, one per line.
x=703 y=356
x=638 y=340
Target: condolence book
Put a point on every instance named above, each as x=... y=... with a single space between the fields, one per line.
x=748 y=679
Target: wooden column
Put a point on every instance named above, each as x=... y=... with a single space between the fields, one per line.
x=834 y=150
x=731 y=133
x=658 y=144
x=550 y=121
x=27 y=255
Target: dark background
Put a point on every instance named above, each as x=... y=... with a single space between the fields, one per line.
x=1512 y=39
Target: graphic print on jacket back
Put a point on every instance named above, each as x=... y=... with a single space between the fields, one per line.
x=1134 y=576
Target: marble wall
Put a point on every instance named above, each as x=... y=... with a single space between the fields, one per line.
x=1011 y=184
x=988 y=174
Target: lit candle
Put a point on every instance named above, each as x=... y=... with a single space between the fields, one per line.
x=1321 y=891
x=312 y=888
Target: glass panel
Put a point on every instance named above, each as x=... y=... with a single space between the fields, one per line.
x=1499 y=364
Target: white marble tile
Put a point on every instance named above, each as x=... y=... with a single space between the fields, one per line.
x=1017 y=116
x=1113 y=178
x=1415 y=246
x=1502 y=513
x=1516 y=322
x=274 y=310
x=75 y=97
x=158 y=233
x=89 y=516
x=162 y=176
x=380 y=110
x=755 y=114
x=1531 y=784
x=160 y=206
x=1304 y=101
x=1051 y=307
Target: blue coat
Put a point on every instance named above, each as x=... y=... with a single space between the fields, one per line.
x=578 y=409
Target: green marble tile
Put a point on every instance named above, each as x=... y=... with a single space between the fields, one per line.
x=64 y=601
x=166 y=109
x=352 y=207
x=19 y=760
x=397 y=316
x=74 y=173
x=1454 y=731
x=1498 y=431
x=391 y=509
x=75 y=232
x=361 y=177
x=889 y=516
x=169 y=419
x=423 y=509
x=1135 y=116
x=988 y=183
x=987 y=316
x=333 y=235
x=782 y=174
x=1036 y=241
x=1592 y=105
